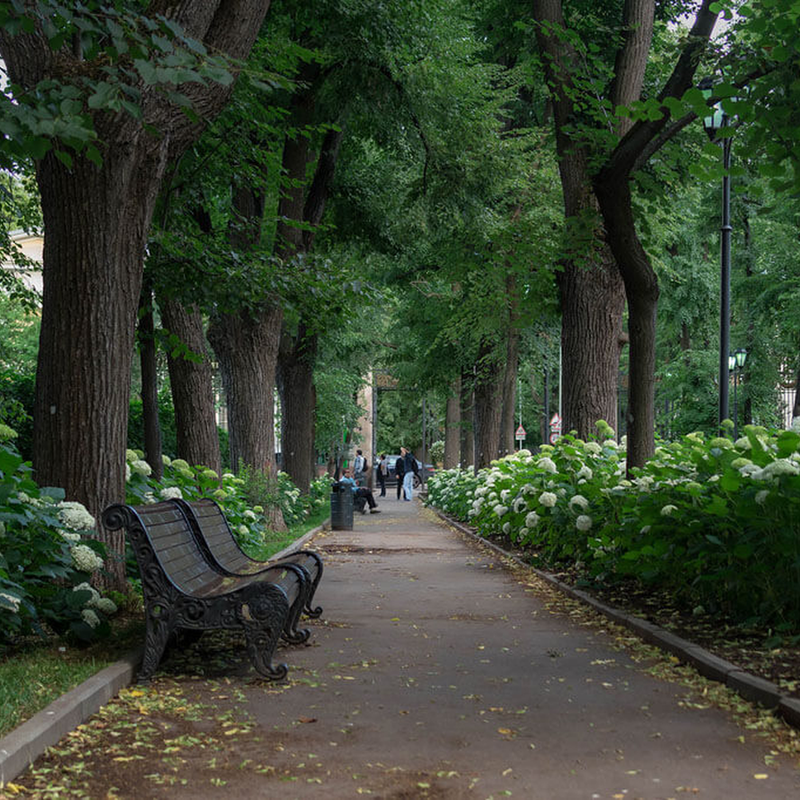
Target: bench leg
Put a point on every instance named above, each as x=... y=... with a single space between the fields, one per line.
x=262 y=620
x=157 y=635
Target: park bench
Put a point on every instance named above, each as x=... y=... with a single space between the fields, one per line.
x=216 y=539
x=184 y=592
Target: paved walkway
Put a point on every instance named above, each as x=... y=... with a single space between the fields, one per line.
x=438 y=673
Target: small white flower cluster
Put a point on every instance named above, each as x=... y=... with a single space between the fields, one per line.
x=10 y=602
x=75 y=516
x=249 y=515
x=141 y=467
x=548 y=499
x=171 y=493
x=580 y=501
x=583 y=523
x=547 y=464
x=84 y=558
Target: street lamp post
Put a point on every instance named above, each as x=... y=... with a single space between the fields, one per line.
x=713 y=124
x=736 y=362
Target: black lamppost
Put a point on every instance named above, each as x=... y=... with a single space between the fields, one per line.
x=736 y=363
x=712 y=124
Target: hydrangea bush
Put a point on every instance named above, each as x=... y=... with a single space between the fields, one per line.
x=713 y=521
x=47 y=558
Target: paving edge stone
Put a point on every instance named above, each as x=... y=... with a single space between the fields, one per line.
x=750 y=687
x=20 y=748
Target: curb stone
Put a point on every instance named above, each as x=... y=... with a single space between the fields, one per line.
x=750 y=687
x=20 y=748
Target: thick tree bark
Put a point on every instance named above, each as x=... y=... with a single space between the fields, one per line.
x=96 y=224
x=452 y=426
x=147 y=356
x=298 y=352
x=467 y=416
x=192 y=388
x=591 y=290
x=488 y=407
x=298 y=403
x=247 y=350
x=96 y=221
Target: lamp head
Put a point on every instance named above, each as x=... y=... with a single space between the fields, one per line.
x=741 y=356
x=731 y=362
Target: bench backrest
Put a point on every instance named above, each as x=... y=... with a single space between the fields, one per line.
x=164 y=529
x=215 y=532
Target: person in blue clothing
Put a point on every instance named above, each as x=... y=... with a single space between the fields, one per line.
x=410 y=471
x=360 y=492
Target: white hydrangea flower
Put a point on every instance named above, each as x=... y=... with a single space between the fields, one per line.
x=500 y=510
x=75 y=516
x=244 y=530
x=585 y=473
x=70 y=536
x=171 y=493
x=249 y=515
x=610 y=443
x=580 y=501
x=583 y=523
x=749 y=470
x=90 y=618
x=781 y=466
x=128 y=472
x=528 y=488
x=625 y=483
x=520 y=505
x=131 y=456
x=645 y=529
x=86 y=587
x=668 y=510
x=11 y=602
x=593 y=448
x=547 y=464
x=532 y=520
x=84 y=558
x=548 y=499
x=761 y=497
x=504 y=495
x=742 y=443
x=150 y=499
x=141 y=467
x=507 y=528
x=106 y=605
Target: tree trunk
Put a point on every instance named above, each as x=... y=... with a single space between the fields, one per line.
x=147 y=354
x=641 y=288
x=96 y=222
x=467 y=412
x=488 y=408
x=592 y=304
x=452 y=426
x=591 y=290
x=192 y=387
x=296 y=359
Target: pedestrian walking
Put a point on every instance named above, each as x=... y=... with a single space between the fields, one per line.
x=410 y=471
x=383 y=471
x=399 y=471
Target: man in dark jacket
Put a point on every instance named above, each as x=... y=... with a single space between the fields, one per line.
x=399 y=471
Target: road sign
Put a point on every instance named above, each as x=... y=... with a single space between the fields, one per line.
x=554 y=437
x=555 y=423
x=520 y=434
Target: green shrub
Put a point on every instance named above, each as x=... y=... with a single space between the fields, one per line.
x=714 y=522
x=47 y=558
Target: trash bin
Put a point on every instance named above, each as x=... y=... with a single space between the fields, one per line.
x=341 y=507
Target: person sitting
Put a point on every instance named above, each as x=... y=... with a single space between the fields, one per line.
x=362 y=496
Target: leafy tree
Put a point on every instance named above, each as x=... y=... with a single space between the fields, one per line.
x=99 y=98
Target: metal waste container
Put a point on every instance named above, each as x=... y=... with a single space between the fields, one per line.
x=341 y=507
